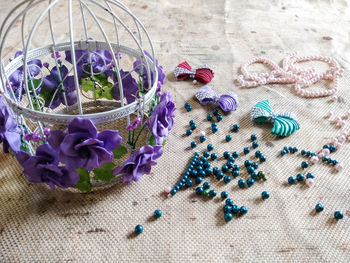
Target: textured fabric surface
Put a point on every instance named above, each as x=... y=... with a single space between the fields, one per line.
x=39 y=225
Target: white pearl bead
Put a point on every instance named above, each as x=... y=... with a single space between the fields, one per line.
x=309 y=182
x=314 y=159
x=195 y=82
x=339 y=167
x=326 y=151
x=167 y=189
x=202 y=133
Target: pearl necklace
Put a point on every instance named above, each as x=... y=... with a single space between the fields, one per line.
x=290 y=74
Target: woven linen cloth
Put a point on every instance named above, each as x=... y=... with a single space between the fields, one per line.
x=39 y=225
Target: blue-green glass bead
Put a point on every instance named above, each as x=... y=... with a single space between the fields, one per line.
x=247 y=163
x=241 y=183
x=258 y=154
x=329 y=160
x=335 y=162
x=199 y=190
x=255 y=145
x=250 y=170
x=213 y=156
x=290 y=149
x=200 y=163
x=246 y=150
x=138 y=229
x=199 y=179
x=206 y=185
x=214 y=124
x=304 y=164
x=295 y=149
x=254 y=175
x=235 y=209
x=326 y=146
x=226 y=155
x=243 y=210
x=208 y=171
x=265 y=195
x=235 y=155
x=186 y=105
x=262 y=158
x=235 y=173
x=177 y=187
x=220 y=175
x=228 y=217
x=227 y=208
x=189 y=132
x=192 y=122
x=255 y=165
x=250 y=182
x=235 y=128
x=224 y=168
x=194 y=172
x=210 y=147
x=201 y=173
x=231 y=159
x=332 y=148
x=338 y=215
x=173 y=191
x=283 y=152
x=212 y=193
x=193 y=127
x=202 y=138
x=319 y=207
x=183 y=180
x=189 y=182
x=303 y=152
x=189 y=108
x=229 y=201
x=236 y=167
x=227 y=179
x=286 y=149
x=203 y=159
x=224 y=195
x=308 y=153
x=214 y=129
x=229 y=164
x=291 y=180
x=228 y=138
x=206 y=154
x=157 y=213
x=219 y=118
x=193 y=145
x=209 y=117
x=324 y=159
x=253 y=137
x=300 y=177
x=216 y=170
x=310 y=175
x=215 y=112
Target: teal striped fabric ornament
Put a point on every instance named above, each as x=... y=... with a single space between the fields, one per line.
x=283 y=124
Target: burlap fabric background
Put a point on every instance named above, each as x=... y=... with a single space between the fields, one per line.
x=38 y=225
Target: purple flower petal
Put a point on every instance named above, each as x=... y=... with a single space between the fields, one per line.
x=110 y=138
x=82 y=125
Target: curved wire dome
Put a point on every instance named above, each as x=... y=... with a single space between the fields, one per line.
x=33 y=20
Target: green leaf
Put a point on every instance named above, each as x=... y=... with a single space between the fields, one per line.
x=46 y=94
x=105 y=173
x=86 y=84
x=152 y=141
x=84 y=183
x=36 y=84
x=119 y=152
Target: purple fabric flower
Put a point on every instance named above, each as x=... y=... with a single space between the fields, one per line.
x=97 y=58
x=44 y=168
x=83 y=146
x=139 y=163
x=52 y=82
x=34 y=67
x=130 y=86
x=162 y=118
x=10 y=133
x=161 y=75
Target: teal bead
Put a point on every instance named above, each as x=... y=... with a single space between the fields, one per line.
x=187 y=105
x=189 y=132
x=235 y=173
x=192 y=122
x=250 y=170
x=255 y=145
x=255 y=165
x=199 y=190
x=202 y=138
x=189 y=108
x=338 y=215
x=209 y=117
x=189 y=183
x=283 y=152
x=241 y=183
x=206 y=185
x=224 y=168
x=250 y=182
x=229 y=164
x=231 y=159
x=193 y=145
x=226 y=155
x=228 y=138
x=319 y=208
x=212 y=193
x=227 y=179
x=291 y=180
x=224 y=195
x=199 y=180
x=243 y=210
x=214 y=129
x=216 y=170
x=193 y=127
x=138 y=229
x=262 y=158
x=300 y=177
x=214 y=124
x=220 y=175
x=235 y=209
x=253 y=137
x=157 y=213
x=210 y=147
x=208 y=171
x=206 y=154
x=173 y=191
x=246 y=150
x=265 y=195
x=310 y=175
x=236 y=167
x=304 y=164
x=228 y=217
x=235 y=128
x=247 y=163
x=235 y=155
x=254 y=175
x=258 y=154
x=213 y=156
x=227 y=208
x=229 y=201
x=215 y=112
x=219 y=118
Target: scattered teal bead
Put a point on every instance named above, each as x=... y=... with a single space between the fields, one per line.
x=310 y=175
x=224 y=195
x=295 y=149
x=189 y=108
x=335 y=162
x=250 y=182
x=206 y=154
x=300 y=177
x=202 y=138
x=235 y=209
x=304 y=164
x=319 y=208
x=189 y=182
x=229 y=164
x=226 y=155
x=194 y=172
x=235 y=128
x=255 y=165
x=173 y=191
x=247 y=163
x=210 y=147
x=157 y=213
x=332 y=148
x=291 y=180
x=193 y=145
x=199 y=190
x=265 y=195
x=208 y=171
x=303 y=152
x=286 y=149
x=216 y=170
x=262 y=158
x=199 y=180
x=228 y=217
x=206 y=185
x=255 y=145
x=213 y=156
x=220 y=175
x=201 y=173
x=214 y=129
x=283 y=152
x=227 y=179
x=236 y=167
x=214 y=124
x=246 y=150
x=235 y=155
x=228 y=138
x=215 y=112
x=241 y=183
x=192 y=122
x=229 y=201
x=177 y=187
x=326 y=146
x=193 y=127
x=254 y=175
x=209 y=117
x=219 y=118
x=338 y=215
x=187 y=105
x=231 y=159
x=235 y=173
x=250 y=170
x=212 y=193
x=258 y=154
x=227 y=208
x=243 y=210
x=138 y=229
x=189 y=132
x=253 y=137
x=224 y=168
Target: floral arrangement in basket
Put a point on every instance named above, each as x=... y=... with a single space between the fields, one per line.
x=80 y=153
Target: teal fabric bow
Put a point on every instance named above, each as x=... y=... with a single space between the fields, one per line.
x=283 y=124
